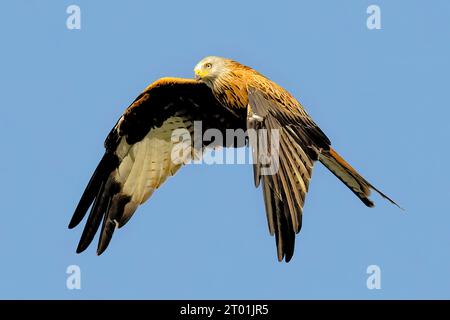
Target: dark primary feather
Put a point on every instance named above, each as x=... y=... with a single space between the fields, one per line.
x=107 y=164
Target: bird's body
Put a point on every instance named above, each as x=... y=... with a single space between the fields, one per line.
x=225 y=95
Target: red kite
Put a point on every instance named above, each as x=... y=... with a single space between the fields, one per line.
x=224 y=95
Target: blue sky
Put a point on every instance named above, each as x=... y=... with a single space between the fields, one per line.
x=380 y=95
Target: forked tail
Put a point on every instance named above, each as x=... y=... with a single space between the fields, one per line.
x=350 y=177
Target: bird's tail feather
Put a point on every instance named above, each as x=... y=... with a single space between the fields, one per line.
x=350 y=177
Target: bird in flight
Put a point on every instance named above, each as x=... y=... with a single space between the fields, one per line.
x=224 y=95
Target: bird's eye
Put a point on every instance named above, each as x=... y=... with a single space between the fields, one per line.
x=208 y=65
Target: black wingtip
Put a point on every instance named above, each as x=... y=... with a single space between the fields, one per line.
x=104 y=242
x=79 y=214
x=288 y=258
x=289 y=250
x=108 y=228
x=106 y=165
x=286 y=255
x=72 y=224
x=284 y=237
x=83 y=244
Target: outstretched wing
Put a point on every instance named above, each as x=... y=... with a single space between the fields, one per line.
x=297 y=146
x=138 y=156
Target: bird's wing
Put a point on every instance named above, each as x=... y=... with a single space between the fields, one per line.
x=140 y=152
x=293 y=142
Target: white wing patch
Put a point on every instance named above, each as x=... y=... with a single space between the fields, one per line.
x=146 y=164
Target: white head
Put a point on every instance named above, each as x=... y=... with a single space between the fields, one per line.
x=210 y=68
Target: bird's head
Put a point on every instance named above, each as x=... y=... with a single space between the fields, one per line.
x=210 y=68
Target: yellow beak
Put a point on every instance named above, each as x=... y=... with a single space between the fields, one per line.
x=199 y=74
